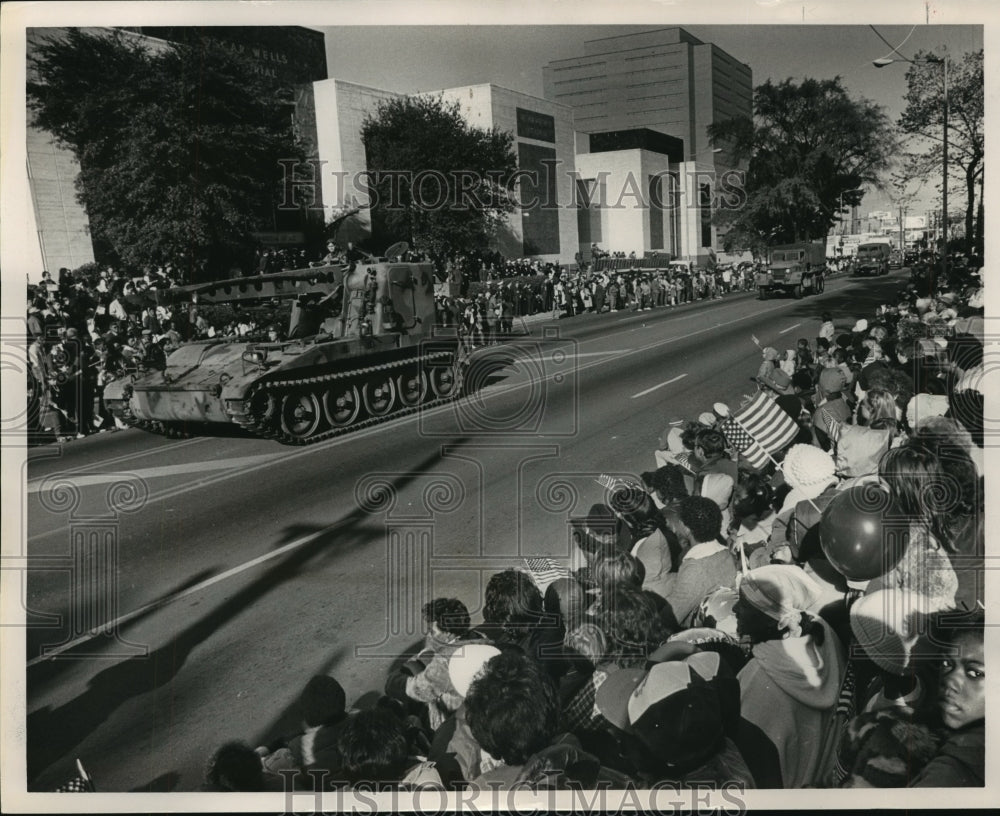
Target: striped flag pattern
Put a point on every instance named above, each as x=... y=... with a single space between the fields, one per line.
x=545 y=571
x=759 y=428
x=82 y=783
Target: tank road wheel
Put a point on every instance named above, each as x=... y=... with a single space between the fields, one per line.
x=341 y=404
x=379 y=395
x=412 y=387
x=261 y=405
x=445 y=381
x=300 y=415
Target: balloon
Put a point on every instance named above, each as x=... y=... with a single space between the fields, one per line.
x=855 y=537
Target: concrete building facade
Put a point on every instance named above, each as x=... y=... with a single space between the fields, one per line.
x=665 y=81
x=543 y=144
x=615 y=154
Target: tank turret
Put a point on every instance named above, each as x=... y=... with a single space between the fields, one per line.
x=362 y=345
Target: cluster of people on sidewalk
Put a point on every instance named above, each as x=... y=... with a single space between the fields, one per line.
x=87 y=327
x=488 y=314
x=815 y=620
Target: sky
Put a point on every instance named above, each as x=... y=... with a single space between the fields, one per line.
x=434 y=57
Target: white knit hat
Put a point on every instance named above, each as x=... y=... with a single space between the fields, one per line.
x=923 y=406
x=809 y=469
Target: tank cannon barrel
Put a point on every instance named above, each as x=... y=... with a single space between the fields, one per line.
x=280 y=285
x=364 y=345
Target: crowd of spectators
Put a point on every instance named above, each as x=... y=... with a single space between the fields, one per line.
x=89 y=326
x=812 y=621
x=486 y=314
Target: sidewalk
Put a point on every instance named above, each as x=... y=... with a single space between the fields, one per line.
x=542 y=316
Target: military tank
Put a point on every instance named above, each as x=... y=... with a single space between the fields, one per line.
x=363 y=345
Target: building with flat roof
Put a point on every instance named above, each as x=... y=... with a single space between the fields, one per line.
x=544 y=228
x=626 y=90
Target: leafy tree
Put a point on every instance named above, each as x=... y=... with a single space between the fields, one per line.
x=178 y=144
x=810 y=147
x=440 y=184
x=966 y=141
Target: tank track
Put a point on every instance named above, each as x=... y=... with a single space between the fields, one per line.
x=272 y=393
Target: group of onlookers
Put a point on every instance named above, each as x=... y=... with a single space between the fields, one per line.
x=813 y=618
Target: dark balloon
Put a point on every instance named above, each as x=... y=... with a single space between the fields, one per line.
x=854 y=534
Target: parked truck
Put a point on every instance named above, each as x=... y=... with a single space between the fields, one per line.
x=793 y=268
x=872 y=259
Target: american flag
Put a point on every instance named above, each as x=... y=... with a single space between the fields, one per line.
x=82 y=783
x=759 y=428
x=834 y=426
x=545 y=571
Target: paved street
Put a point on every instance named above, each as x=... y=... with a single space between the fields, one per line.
x=237 y=568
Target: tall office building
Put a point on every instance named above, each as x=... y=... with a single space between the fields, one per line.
x=627 y=90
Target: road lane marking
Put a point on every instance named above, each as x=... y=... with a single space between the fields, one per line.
x=322 y=447
x=163 y=471
x=125 y=457
x=651 y=390
x=596 y=353
x=112 y=626
x=785 y=331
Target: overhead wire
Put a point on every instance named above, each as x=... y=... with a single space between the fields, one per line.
x=891 y=46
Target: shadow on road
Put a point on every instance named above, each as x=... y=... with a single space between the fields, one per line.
x=53 y=732
x=164 y=783
x=288 y=723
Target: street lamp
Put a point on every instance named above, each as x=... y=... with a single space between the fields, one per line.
x=943 y=62
x=692 y=156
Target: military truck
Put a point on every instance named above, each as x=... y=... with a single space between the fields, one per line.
x=794 y=269
x=872 y=258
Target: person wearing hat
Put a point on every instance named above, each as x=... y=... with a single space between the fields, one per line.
x=827 y=330
x=788 y=364
x=830 y=404
x=768 y=364
x=892 y=628
x=789 y=688
x=674 y=722
x=778 y=384
x=812 y=476
x=669 y=444
x=940 y=746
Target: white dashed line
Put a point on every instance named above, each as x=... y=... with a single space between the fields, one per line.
x=651 y=390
